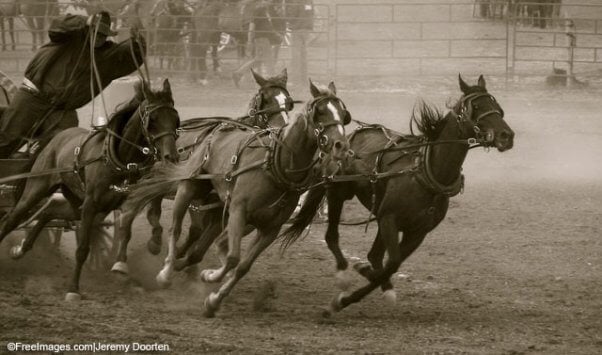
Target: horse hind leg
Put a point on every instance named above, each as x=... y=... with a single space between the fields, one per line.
x=124 y=229
x=261 y=242
x=201 y=236
x=18 y=251
x=375 y=257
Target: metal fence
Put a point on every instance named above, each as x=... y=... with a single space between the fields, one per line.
x=371 y=38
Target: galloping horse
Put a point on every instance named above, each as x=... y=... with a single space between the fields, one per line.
x=406 y=181
x=268 y=108
x=93 y=168
x=258 y=175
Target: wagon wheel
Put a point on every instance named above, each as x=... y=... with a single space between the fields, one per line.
x=103 y=244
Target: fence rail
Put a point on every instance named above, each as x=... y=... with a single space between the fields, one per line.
x=355 y=38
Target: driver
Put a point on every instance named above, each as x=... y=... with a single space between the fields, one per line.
x=58 y=78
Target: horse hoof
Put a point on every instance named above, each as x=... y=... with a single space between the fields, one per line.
x=211 y=305
x=120 y=267
x=390 y=297
x=208 y=276
x=73 y=297
x=164 y=279
x=153 y=247
x=362 y=267
x=335 y=304
x=343 y=281
x=16 y=252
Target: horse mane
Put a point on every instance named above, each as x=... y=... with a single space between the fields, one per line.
x=430 y=120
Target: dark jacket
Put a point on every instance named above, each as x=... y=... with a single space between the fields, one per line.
x=61 y=68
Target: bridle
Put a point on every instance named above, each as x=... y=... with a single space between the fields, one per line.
x=320 y=127
x=262 y=115
x=466 y=112
x=144 y=114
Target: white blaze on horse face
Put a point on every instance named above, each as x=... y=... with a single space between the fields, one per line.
x=281 y=98
x=337 y=117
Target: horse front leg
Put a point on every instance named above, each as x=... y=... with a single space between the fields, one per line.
x=376 y=256
x=18 y=251
x=124 y=230
x=153 y=215
x=262 y=240
x=397 y=254
x=187 y=191
x=335 y=208
x=89 y=212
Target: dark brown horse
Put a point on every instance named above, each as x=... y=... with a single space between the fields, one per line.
x=258 y=176
x=406 y=181
x=93 y=169
x=268 y=108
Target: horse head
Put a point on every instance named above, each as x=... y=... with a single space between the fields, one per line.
x=326 y=117
x=160 y=121
x=480 y=116
x=270 y=106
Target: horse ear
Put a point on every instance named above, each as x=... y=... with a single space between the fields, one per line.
x=258 y=78
x=283 y=75
x=315 y=92
x=166 y=86
x=463 y=86
x=332 y=87
x=481 y=82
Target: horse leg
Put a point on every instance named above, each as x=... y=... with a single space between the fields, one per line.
x=202 y=234
x=187 y=191
x=89 y=213
x=375 y=257
x=236 y=230
x=262 y=241
x=409 y=243
x=2 y=29
x=153 y=215
x=18 y=251
x=125 y=231
x=32 y=195
x=335 y=208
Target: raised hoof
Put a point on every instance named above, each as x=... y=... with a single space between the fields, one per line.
x=73 y=297
x=208 y=276
x=362 y=267
x=153 y=247
x=390 y=297
x=120 y=267
x=16 y=252
x=343 y=280
x=163 y=279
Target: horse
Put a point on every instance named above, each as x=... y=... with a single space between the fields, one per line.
x=94 y=168
x=212 y=18
x=406 y=182
x=258 y=175
x=268 y=108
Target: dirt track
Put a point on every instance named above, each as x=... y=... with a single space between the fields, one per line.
x=514 y=268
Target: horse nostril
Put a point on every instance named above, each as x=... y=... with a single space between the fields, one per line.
x=505 y=135
x=338 y=145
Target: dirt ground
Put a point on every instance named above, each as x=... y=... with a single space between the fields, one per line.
x=515 y=268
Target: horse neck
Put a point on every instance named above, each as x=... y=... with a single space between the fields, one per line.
x=131 y=133
x=299 y=145
x=446 y=159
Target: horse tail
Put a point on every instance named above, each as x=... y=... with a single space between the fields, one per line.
x=303 y=218
x=161 y=181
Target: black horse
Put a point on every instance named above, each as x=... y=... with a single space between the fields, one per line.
x=406 y=181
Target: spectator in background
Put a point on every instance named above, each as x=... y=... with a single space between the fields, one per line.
x=264 y=34
x=300 y=14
